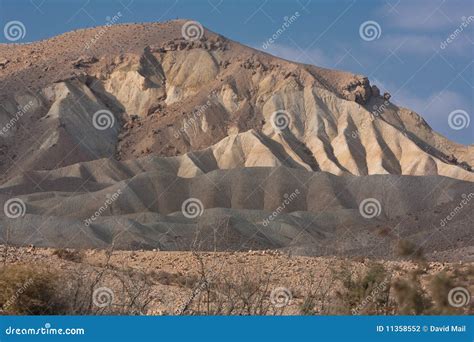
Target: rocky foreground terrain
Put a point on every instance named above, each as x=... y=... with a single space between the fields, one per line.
x=98 y=282
x=144 y=137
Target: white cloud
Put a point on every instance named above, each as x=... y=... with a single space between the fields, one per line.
x=434 y=108
x=415 y=44
x=422 y=44
x=424 y=15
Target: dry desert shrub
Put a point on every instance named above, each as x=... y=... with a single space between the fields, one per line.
x=366 y=293
x=108 y=290
x=178 y=279
x=69 y=254
x=231 y=293
x=27 y=290
x=408 y=250
x=82 y=290
x=410 y=296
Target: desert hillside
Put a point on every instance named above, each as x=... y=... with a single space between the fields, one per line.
x=108 y=132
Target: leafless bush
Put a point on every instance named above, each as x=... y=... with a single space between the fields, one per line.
x=366 y=293
x=225 y=293
x=410 y=295
x=25 y=290
x=409 y=250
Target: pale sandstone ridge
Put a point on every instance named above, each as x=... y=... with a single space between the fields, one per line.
x=172 y=96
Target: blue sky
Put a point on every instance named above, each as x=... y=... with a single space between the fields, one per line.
x=405 y=57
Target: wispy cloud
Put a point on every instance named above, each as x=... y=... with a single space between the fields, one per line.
x=434 y=108
x=423 y=44
x=424 y=15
